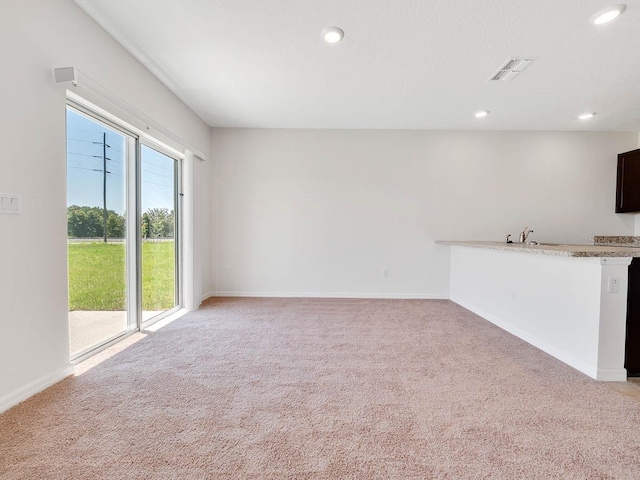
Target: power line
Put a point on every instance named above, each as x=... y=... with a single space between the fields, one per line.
x=145 y=182
x=147 y=165
x=89 y=184
x=79 y=140
x=84 y=168
x=83 y=154
x=158 y=174
x=86 y=155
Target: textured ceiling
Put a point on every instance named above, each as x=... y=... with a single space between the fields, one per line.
x=403 y=64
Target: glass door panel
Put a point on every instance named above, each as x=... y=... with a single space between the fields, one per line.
x=97 y=231
x=158 y=231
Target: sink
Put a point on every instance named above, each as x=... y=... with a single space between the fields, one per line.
x=542 y=244
x=547 y=244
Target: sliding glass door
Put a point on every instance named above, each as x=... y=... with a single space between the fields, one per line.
x=122 y=227
x=159 y=181
x=97 y=206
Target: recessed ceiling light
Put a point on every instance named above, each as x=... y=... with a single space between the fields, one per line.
x=482 y=113
x=607 y=14
x=332 y=34
x=586 y=116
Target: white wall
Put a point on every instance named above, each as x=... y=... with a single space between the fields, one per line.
x=35 y=37
x=323 y=212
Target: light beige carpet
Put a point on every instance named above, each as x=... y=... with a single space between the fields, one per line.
x=324 y=389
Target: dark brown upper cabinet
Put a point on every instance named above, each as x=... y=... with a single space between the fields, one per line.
x=628 y=185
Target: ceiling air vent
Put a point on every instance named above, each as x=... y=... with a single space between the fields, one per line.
x=511 y=68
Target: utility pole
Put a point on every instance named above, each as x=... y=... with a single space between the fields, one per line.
x=104 y=184
x=104 y=180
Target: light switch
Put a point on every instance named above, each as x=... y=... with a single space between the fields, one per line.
x=9 y=204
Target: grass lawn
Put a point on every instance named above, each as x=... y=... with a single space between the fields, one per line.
x=97 y=276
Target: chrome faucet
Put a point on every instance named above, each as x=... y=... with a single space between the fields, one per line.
x=525 y=233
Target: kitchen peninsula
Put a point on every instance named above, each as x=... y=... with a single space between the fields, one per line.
x=567 y=300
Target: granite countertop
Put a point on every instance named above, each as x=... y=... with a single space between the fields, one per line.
x=560 y=250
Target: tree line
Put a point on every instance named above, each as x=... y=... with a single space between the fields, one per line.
x=88 y=222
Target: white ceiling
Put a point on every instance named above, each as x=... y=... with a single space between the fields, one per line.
x=403 y=64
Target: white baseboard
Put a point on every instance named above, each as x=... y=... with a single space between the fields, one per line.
x=388 y=296
x=206 y=296
x=30 y=389
x=589 y=370
x=612 y=375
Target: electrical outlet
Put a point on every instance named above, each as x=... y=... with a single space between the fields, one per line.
x=227 y=271
x=385 y=273
x=513 y=295
x=614 y=285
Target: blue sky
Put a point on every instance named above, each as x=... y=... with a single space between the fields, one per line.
x=85 y=168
